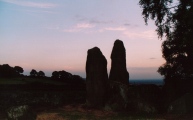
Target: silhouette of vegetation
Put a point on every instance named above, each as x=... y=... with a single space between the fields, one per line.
x=55 y=75
x=33 y=73
x=8 y=71
x=41 y=74
x=19 y=70
x=16 y=92
x=61 y=75
x=175 y=22
x=76 y=79
x=67 y=77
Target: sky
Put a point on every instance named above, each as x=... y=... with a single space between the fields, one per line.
x=54 y=35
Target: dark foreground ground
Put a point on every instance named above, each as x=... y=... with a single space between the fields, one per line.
x=54 y=100
x=80 y=112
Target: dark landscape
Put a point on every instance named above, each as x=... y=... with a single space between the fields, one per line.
x=67 y=96
x=106 y=93
x=49 y=99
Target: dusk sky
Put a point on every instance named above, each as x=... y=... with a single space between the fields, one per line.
x=53 y=35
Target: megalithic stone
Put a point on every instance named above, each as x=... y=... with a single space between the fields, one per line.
x=118 y=70
x=96 y=78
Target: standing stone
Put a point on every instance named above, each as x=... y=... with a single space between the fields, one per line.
x=118 y=78
x=96 y=78
x=118 y=71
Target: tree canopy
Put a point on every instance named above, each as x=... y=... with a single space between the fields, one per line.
x=61 y=75
x=174 y=24
x=33 y=73
x=18 y=69
x=67 y=77
x=8 y=71
x=41 y=74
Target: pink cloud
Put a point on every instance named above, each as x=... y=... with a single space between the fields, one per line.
x=115 y=28
x=149 y=34
x=85 y=25
x=30 y=4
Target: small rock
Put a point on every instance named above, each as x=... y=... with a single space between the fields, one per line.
x=145 y=108
x=20 y=113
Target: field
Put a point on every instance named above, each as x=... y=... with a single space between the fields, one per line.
x=79 y=112
x=56 y=100
x=28 y=80
x=38 y=93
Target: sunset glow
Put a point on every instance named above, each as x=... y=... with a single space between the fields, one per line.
x=54 y=35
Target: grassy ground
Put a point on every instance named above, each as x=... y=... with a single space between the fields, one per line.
x=79 y=112
x=37 y=92
x=28 y=80
x=40 y=91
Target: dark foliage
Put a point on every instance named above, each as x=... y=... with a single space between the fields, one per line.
x=8 y=71
x=175 y=22
x=55 y=75
x=61 y=76
x=33 y=73
x=41 y=74
x=76 y=79
x=18 y=69
x=67 y=77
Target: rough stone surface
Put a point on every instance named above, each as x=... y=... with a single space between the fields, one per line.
x=118 y=65
x=118 y=77
x=144 y=107
x=144 y=99
x=118 y=96
x=96 y=78
x=22 y=112
x=182 y=105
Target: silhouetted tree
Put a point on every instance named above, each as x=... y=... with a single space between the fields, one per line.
x=77 y=79
x=1 y=74
x=41 y=74
x=65 y=76
x=55 y=75
x=19 y=70
x=7 y=71
x=62 y=75
x=175 y=22
x=33 y=73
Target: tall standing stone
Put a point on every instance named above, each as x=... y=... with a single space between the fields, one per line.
x=118 y=78
x=96 y=78
x=118 y=71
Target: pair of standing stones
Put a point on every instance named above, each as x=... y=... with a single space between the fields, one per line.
x=102 y=90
